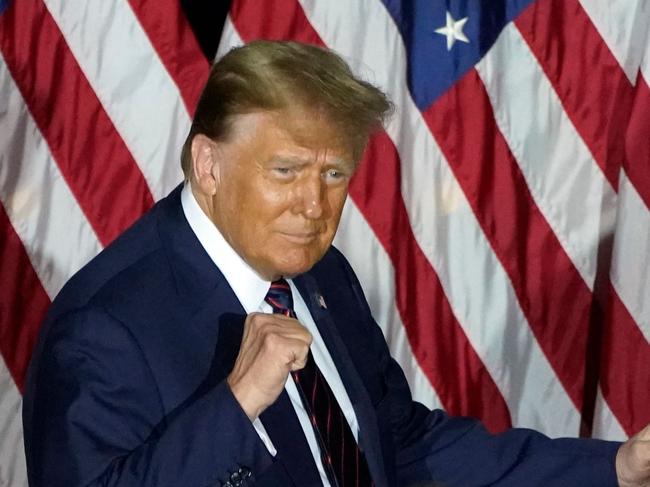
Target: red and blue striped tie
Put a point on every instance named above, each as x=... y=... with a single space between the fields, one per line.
x=344 y=462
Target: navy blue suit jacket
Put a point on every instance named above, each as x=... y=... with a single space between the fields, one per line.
x=127 y=385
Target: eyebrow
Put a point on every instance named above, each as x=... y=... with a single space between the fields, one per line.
x=300 y=161
x=293 y=160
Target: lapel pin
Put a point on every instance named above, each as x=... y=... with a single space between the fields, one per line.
x=321 y=302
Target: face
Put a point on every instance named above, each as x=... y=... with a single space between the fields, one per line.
x=279 y=185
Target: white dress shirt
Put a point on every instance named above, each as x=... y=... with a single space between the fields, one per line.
x=251 y=290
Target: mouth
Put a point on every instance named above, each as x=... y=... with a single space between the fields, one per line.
x=301 y=238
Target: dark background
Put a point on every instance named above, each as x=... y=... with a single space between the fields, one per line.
x=206 y=18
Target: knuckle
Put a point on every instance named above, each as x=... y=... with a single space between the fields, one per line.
x=253 y=319
x=259 y=321
x=272 y=341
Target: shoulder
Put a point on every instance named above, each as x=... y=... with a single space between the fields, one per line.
x=137 y=252
x=112 y=288
x=90 y=315
x=128 y=250
x=87 y=335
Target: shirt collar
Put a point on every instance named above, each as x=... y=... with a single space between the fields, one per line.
x=247 y=285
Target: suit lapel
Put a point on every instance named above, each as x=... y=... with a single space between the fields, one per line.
x=368 y=431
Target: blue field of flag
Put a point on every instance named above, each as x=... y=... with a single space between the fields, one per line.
x=446 y=38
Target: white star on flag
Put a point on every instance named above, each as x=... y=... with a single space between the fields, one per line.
x=453 y=30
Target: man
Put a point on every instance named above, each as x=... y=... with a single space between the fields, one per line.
x=223 y=341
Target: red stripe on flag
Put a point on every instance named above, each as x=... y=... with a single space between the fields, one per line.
x=253 y=20
x=437 y=340
x=23 y=302
x=93 y=159
x=173 y=39
x=551 y=293
x=593 y=88
x=637 y=164
x=625 y=372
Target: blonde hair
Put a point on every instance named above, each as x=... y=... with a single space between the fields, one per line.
x=277 y=75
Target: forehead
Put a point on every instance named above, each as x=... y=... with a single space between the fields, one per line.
x=297 y=127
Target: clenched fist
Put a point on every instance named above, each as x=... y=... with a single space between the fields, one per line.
x=272 y=346
x=633 y=460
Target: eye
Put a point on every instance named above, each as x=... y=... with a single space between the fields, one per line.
x=335 y=175
x=283 y=172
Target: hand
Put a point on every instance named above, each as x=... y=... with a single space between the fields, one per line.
x=272 y=346
x=633 y=460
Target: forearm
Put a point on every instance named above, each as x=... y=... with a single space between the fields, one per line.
x=202 y=445
x=460 y=452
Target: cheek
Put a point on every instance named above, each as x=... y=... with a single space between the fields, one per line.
x=336 y=201
x=272 y=197
x=257 y=202
x=265 y=198
x=259 y=217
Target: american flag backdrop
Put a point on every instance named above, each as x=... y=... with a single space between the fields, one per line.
x=500 y=225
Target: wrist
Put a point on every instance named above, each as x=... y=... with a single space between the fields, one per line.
x=247 y=398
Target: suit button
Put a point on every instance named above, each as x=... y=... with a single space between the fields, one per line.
x=235 y=478
x=244 y=472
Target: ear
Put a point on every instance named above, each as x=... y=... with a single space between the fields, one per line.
x=203 y=164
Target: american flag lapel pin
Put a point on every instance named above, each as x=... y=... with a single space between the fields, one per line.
x=321 y=301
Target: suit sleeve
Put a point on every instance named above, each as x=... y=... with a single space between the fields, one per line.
x=433 y=448
x=99 y=419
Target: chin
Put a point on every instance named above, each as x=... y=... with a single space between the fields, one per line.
x=290 y=272
x=294 y=267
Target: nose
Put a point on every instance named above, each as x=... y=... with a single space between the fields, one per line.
x=312 y=197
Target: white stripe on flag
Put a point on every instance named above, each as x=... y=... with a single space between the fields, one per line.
x=131 y=83
x=623 y=25
x=479 y=291
x=645 y=62
x=13 y=472
x=606 y=426
x=631 y=255
x=566 y=183
x=229 y=38
x=40 y=206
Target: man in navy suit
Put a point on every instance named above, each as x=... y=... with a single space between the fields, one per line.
x=168 y=360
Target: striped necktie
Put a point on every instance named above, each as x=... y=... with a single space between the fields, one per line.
x=342 y=459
